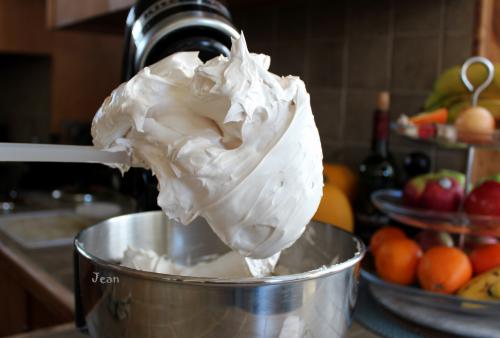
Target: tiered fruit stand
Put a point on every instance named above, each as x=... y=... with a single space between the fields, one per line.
x=448 y=313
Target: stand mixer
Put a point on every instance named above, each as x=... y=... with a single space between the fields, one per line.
x=314 y=286
x=158 y=28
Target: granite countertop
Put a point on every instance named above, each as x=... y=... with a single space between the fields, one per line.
x=57 y=261
x=69 y=331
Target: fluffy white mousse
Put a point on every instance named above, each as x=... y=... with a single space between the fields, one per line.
x=228 y=141
x=230 y=265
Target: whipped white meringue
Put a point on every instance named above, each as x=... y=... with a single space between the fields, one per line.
x=228 y=141
x=229 y=265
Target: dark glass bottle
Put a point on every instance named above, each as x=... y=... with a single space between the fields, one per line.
x=377 y=171
x=416 y=164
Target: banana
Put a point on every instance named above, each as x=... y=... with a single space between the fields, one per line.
x=493 y=106
x=433 y=102
x=449 y=84
x=449 y=101
x=483 y=287
x=494 y=290
x=452 y=99
x=455 y=110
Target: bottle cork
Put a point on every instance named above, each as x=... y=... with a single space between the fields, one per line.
x=383 y=101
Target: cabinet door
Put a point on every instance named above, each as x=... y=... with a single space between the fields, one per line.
x=30 y=297
x=14 y=309
x=61 y=13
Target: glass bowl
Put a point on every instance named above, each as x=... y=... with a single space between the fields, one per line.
x=390 y=201
x=447 y=136
x=449 y=313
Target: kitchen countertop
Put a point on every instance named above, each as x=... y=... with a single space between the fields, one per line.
x=69 y=331
x=57 y=261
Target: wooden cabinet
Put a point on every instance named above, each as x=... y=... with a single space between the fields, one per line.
x=487 y=44
x=31 y=298
x=22 y=27
x=64 y=13
x=85 y=65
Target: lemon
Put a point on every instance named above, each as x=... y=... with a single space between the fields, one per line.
x=335 y=208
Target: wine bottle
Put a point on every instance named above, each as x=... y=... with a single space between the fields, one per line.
x=377 y=171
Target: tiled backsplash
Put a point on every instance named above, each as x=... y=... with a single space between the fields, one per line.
x=348 y=51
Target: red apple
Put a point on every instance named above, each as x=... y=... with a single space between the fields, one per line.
x=484 y=199
x=430 y=238
x=442 y=191
x=444 y=194
x=474 y=242
x=412 y=192
x=414 y=188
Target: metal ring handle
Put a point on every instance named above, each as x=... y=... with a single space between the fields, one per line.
x=490 y=68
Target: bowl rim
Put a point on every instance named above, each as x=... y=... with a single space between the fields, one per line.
x=216 y=281
x=428 y=298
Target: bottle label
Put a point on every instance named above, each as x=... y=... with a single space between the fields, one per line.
x=381 y=126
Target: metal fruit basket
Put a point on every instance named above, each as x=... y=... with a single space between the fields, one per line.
x=449 y=313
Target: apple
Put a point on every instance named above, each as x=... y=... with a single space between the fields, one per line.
x=414 y=189
x=474 y=242
x=495 y=177
x=444 y=194
x=442 y=191
x=430 y=238
x=475 y=124
x=484 y=199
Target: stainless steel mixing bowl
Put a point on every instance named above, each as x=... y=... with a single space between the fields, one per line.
x=314 y=299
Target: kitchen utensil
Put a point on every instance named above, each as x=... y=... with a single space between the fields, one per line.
x=314 y=298
x=32 y=152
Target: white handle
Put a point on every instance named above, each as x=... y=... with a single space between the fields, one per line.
x=31 y=152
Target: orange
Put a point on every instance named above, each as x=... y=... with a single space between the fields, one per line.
x=335 y=208
x=443 y=269
x=485 y=258
x=342 y=177
x=437 y=116
x=384 y=234
x=397 y=260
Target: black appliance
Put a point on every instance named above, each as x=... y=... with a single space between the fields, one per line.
x=158 y=28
